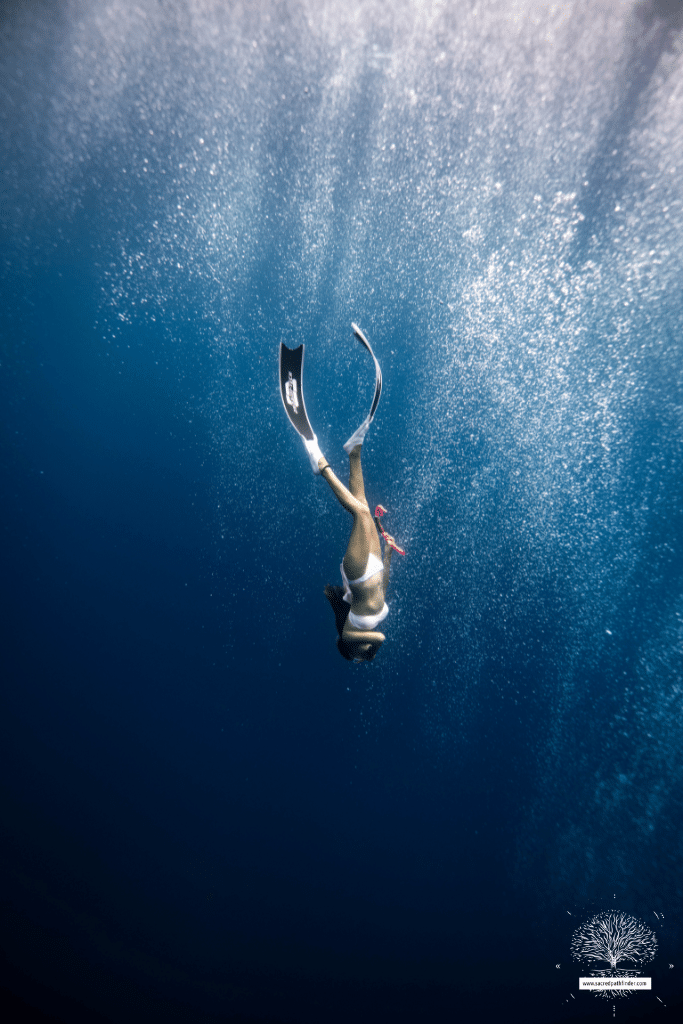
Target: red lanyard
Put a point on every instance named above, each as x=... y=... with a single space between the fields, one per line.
x=379 y=511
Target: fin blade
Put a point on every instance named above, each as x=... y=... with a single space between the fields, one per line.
x=292 y=395
x=291 y=390
x=359 y=435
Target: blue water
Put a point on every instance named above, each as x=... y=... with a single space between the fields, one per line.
x=209 y=815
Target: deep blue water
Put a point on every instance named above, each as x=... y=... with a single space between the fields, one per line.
x=208 y=815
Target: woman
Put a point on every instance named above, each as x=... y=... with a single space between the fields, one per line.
x=359 y=605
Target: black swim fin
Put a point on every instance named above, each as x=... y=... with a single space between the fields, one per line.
x=292 y=392
x=358 y=436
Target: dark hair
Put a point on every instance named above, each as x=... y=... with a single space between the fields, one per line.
x=345 y=649
x=335 y=595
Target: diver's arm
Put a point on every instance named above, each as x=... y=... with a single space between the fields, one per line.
x=362 y=636
x=363 y=639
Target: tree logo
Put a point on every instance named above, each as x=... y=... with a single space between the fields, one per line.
x=615 y=939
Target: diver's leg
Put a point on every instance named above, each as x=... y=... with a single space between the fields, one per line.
x=343 y=495
x=356 y=485
x=364 y=538
x=362 y=542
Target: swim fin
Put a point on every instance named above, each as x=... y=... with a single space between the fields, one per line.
x=292 y=392
x=358 y=436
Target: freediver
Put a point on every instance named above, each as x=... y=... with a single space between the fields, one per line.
x=359 y=605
